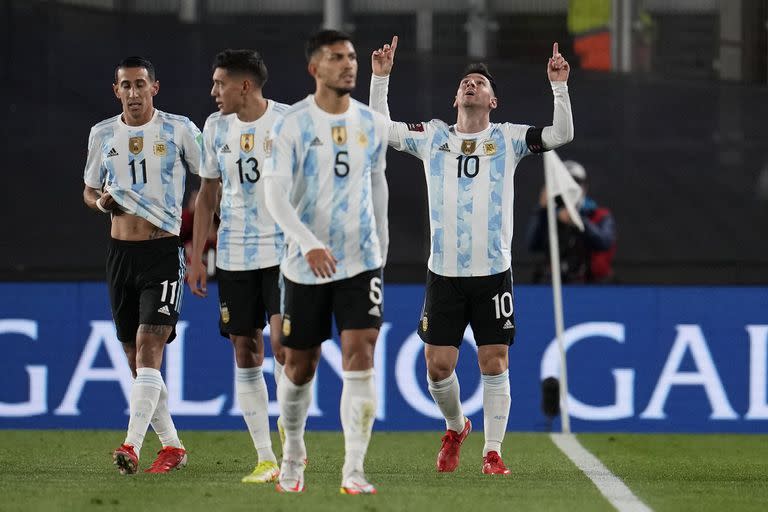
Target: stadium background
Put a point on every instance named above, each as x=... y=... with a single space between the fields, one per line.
x=677 y=148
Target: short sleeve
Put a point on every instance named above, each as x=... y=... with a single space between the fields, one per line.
x=192 y=147
x=95 y=172
x=210 y=168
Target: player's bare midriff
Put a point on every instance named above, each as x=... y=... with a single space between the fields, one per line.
x=132 y=228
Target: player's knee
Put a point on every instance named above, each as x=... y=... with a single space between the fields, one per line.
x=439 y=368
x=492 y=364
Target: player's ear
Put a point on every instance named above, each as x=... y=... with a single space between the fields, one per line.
x=494 y=103
x=455 y=101
x=155 y=87
x=116 y=89
x=312 y=68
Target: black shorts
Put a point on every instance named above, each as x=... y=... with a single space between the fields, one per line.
x=247 y=299
x=452 y=303
x=356 y=303
x=146 y=283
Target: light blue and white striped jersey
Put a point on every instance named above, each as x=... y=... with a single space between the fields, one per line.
x=144 y=167
x=234 y=151
x=331 y=162
x=470 y=184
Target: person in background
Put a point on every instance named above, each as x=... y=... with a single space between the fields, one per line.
x=585 y=257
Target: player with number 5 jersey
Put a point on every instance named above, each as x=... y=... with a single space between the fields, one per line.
x=327 y=190
x=136 y=171
x=469 y=168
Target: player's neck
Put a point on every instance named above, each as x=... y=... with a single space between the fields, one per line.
x=144 y=119
x=329 y=101
x=469 y=121
x=253 y=109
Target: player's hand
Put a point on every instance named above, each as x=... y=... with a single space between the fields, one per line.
x=322 y=262
x=197 y=279
x=543 y=197
x=383 y=59
x=558 y=68
x=108 y=202
x=564 y=217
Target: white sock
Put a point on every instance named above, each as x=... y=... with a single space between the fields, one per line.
x=446 y=394
x=358 y=411
x=252 y=396
x=145 y=393
x=162 y=423
x=496 y=401
x=294 y=405
x=278 y=373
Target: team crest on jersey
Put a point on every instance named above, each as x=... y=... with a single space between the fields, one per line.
x=136 y=144
x=224 y=313
x=339 y=134
x=246 y=142
x=468 y=146
x=489 y=147
x=286 y=325
x=268 y=146
x=362 y=139
x=160 y=148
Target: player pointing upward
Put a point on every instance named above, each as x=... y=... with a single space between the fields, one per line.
x=469 y=168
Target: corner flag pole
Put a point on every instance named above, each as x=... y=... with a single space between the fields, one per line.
x=554 y=259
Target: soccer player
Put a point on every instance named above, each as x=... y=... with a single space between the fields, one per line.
x=326 y=188
x=135 y=171
x=249 y=242
x=469 y=168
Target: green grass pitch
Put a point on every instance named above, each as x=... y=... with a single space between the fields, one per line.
x=72 y=470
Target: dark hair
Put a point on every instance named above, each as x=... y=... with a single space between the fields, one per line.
x=243 y=61
x=136 y=62
x=323 y=38
x=481 y=69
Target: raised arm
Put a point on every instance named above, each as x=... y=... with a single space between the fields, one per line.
x=382 y=61
x=561 y=131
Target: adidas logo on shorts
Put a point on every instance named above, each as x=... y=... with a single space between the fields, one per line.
x=164 y=310
x=508 y=325
x=374 y=311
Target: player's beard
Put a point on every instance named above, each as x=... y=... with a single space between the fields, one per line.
x=342 y=91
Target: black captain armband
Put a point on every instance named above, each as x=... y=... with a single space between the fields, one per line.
x=533 y=140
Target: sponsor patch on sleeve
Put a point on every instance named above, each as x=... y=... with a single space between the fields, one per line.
x=416 y=127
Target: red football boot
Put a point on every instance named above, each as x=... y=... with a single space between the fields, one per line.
x=448 y=458
x=493 y=465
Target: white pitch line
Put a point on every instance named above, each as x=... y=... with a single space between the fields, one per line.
x=611 y=486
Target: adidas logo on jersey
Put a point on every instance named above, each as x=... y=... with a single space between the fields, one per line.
x=226 y=149
x=508 y=325
x=374 y=311
x=316 y=142
x=444 y=147
x=164 y=310
x=112 y=152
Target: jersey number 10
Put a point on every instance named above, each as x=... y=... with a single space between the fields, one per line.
x=468 y=165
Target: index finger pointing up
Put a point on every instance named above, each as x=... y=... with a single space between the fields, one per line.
x=393 y=46
x=555 y=50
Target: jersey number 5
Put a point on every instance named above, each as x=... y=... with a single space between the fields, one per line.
x=341 y=165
